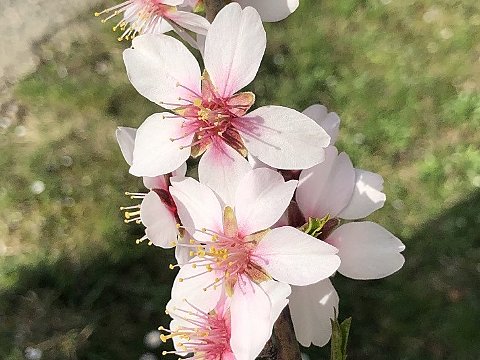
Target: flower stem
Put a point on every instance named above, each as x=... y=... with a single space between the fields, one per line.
x=285 y=339
x=212 y=7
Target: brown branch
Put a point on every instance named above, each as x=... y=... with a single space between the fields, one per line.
x=285 y=339
x=283 y=345
x=212 y=7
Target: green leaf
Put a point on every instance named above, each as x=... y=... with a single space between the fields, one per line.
x=314 y=226
x=339 y=340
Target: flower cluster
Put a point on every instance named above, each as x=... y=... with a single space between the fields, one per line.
x=273 y=214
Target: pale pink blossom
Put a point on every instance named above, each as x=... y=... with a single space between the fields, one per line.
x=157 y=210
x=233 y=247
x=336 y=189
x=154 y=17
x=226 y=332
x=210 y=116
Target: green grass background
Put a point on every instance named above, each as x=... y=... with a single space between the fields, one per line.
x=404 y=78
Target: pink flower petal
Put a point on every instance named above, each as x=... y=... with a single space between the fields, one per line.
x=221 y=168
x=293 y=257
x=327 y=187
x=311 y=308
x=367 y=250
x=126 y=141
x=155 y=153
x=330 y=122
x=261 y=199
x=160 y=223
x=197 y=207
x=283 y=138
x=249 y=302
x=234 y=48
x=272 y=10
x=157 y=65
x=367 y=196
x=157 y=182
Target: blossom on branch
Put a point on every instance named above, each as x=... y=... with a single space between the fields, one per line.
x=157 y=210
x=154 y=17
x=224 y=332
x=210 y=117
x=233 y=246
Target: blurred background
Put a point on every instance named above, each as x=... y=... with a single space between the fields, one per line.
x=404 y=76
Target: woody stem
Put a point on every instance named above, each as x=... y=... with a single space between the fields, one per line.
x=212 y=7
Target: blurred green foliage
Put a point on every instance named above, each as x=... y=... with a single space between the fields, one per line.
x=402 y=75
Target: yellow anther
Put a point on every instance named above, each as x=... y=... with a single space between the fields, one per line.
x=197 y=102
x=192 y=241
x=181 y=279
x=171 y=266
x=194 y=266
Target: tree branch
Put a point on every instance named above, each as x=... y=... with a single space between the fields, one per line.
x=285 y=339
x=212 y=7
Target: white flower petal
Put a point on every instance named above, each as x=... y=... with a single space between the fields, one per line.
x=160 y=223
x=172 y=2
x=327 y=187
x=182 y=253
x=197 y=206
x=234 y=48
x=249 y=302
x=193 y=22
x=311 y=308
x=157 y=65
x=367 y=250
x=330 y=122
x=367 y=196
x=155 y=153
x=191 y=283
x=126 y=141
x=272 y=10
x=278 y=294
x=293 y=257
x=221 y=168
x=261 y=198
x=283 y=138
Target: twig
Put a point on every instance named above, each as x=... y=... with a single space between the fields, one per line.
x=284 y=338
x=212 y=7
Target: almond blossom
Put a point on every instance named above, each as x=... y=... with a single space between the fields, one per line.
x=336 y=190
x=233 y=247
x=157 y=210
x=154 y=17
x=210 y=116
x=225 y=333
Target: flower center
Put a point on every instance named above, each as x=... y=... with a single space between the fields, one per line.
x=206 y=335
x=211 y=117
x=229 y=254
